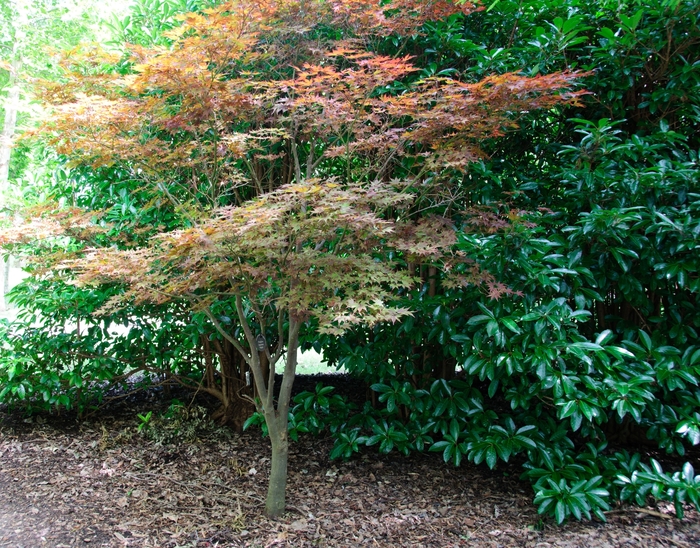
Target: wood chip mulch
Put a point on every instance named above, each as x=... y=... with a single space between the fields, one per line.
x=98 y=482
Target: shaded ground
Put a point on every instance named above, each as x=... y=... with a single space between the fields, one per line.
x=101 y=483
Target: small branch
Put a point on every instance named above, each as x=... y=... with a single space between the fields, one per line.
x=280 y=337
x=310 y=160
x=199 y=387
x=295 y=155
x=647 y=511
x=254 y=363
x=290 y=366
x=227 y=335
x=256 y=178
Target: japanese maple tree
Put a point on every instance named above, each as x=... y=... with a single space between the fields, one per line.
x=285 y=150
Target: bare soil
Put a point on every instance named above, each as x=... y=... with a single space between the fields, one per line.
x=99 y=482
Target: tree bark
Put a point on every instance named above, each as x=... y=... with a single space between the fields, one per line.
x=276 y=490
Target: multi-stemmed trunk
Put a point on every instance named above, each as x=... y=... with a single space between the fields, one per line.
x=262 y=366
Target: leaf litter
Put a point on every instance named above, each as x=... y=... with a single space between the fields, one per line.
x=99 y=482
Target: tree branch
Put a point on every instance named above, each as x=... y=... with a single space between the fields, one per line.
x=225 y=334
x=266 y=393
x=290 y=367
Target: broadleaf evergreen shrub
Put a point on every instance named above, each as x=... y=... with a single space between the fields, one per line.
x=590 y=216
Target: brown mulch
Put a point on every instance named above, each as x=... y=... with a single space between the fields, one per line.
x=98 y=482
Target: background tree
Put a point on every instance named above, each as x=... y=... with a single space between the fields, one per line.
x=55 y=321
x=30 y=29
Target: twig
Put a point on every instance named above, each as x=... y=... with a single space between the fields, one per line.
x=653 y=513
x=648 y=511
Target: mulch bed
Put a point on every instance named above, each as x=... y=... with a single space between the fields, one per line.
x=98 y=482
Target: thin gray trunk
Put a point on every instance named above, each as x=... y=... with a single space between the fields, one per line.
x=5 y=281
x=8 y=133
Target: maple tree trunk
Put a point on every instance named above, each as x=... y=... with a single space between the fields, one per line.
x=276 y=489
x=276 y=418
x=277 y=422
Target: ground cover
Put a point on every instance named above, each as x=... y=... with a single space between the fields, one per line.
x=100 y=482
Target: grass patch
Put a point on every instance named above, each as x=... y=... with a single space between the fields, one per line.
x=311 y=363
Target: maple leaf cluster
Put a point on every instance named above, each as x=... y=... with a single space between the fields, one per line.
x=402 y=17
x=203 y=105
x=50 y=221
x=315 y=249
